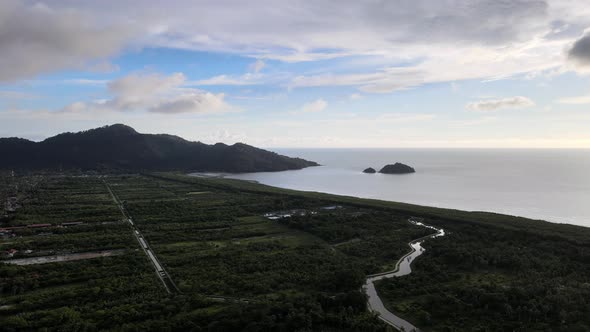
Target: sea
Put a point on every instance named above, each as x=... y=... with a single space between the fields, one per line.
x=546 y=184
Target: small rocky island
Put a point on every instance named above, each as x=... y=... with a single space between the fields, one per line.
x=397 y=168
x=370 y=170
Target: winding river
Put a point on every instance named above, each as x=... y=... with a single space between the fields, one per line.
x=402 y=268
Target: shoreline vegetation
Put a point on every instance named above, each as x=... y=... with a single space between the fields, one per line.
x=434 y=206
x=402 y=206
x=490 y=271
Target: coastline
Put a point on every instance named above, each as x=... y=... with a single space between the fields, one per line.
x=535 y=184
x=410 y=205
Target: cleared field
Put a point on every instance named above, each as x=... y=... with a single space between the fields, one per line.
x=63 y=258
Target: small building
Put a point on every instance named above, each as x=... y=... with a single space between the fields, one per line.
x=11 y=252
x=12 y=204
x=331 y=207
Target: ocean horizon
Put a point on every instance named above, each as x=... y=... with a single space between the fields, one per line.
x=546 y=184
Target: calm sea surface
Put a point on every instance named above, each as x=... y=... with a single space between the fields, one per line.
x=552 y=185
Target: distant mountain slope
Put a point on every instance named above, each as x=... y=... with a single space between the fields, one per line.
x=119 y=147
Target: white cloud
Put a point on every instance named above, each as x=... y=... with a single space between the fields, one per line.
x=76 y=107
x=442 y=40
x=355 y=96
x=246 y=79
x=143 y=90
x=404 y=117
x=498 y=104
x=224 y=135
x=448 y=64
x=384 y=81
x=193 y=102
x=257 y=66
x=579 y=100
x=84 y=81
x=37 y=39
x=17 y=95
x=293 y=56
x=283 y=29
x=473 y=122
x=315 y=106
x=155 y=93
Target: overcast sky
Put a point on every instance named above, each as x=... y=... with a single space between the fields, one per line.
x=273 y=73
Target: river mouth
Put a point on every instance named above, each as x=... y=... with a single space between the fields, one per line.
x=402 y=268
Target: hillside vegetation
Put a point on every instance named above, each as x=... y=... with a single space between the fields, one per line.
x=121 y=148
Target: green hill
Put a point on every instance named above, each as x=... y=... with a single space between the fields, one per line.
x=119 y=147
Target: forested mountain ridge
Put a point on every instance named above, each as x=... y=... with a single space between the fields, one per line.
x=120 y=147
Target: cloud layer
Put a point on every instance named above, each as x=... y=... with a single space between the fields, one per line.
x=38 y=39
x=579 y=100
x=434 y=36
x=315 y=106
x=498 y=104
x=156 y=93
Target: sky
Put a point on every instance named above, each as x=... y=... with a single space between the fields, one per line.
x=274 y=73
